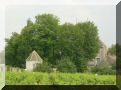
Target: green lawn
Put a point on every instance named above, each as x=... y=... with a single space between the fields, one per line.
x=38 y=78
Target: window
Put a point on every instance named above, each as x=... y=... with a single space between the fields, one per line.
x=97 y=60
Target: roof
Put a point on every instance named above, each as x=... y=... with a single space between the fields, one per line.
x=34 y=56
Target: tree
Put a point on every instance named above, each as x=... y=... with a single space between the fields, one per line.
x=29 y=22
x=66 y=65
x=44 y=67
x=54 y=42
x=11 y=50
x=90 y=46
x=39 y=36
x=118 y=58
x=112 y=50
x=91 y=39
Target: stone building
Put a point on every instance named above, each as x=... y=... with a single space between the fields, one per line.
x=101 y=56
x=33 y=60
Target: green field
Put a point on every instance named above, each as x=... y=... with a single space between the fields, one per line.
x=38 y=78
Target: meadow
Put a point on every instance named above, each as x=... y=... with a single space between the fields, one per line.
x=39 y=78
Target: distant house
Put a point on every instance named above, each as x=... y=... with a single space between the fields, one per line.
x=33 y=60
x=101 y=56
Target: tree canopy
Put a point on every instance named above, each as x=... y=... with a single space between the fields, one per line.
x=53 y=42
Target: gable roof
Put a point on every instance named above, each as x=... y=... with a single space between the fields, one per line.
x=34 y=57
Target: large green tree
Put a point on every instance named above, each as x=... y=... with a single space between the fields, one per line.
x=53 y=42
x=38 y=36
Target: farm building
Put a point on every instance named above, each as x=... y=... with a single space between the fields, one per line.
x=33 y=60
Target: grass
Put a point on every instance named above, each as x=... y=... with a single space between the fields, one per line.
x=39 y=78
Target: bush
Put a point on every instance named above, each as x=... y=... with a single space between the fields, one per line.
x=44 y=67
x=114 y=66
x=81 y=65
x=103 y=71
x=66 y=65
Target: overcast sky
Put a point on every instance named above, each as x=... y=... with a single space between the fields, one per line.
x=13 y=15
x=104 y=16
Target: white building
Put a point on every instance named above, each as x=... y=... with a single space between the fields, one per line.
x=33 y=60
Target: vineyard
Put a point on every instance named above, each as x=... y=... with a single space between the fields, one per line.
x=38 y=78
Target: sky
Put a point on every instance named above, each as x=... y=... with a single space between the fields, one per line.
x=103 y=16
x=103 y=13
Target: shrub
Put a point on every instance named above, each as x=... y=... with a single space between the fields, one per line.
x=44 y=67
x=103 y=71
x=81 y=65
x=66 y=65
x=114 y=66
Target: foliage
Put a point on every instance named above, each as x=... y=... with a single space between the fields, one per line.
x=38 y=78
x=113 y=67
x=44 y=67
x=91 y=42
x=104 y=71
x=118 y=58
x=53 y=42
x=66 y=65
x=112 y=50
